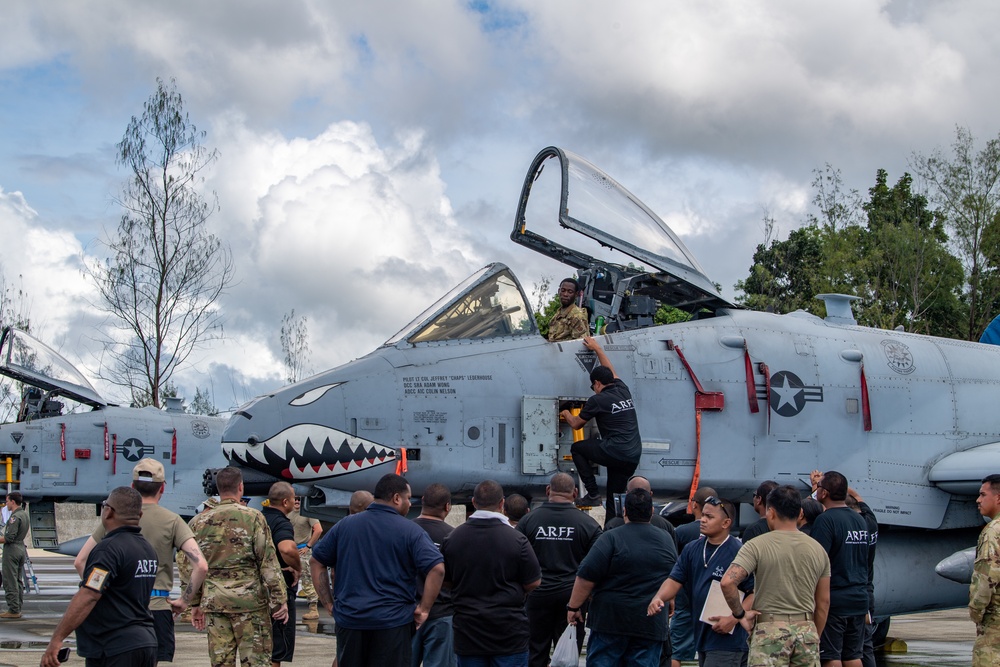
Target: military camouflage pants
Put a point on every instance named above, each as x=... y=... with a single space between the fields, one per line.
x=248 y=632
x=780 y=643
x=306 y=588
x=986 y=650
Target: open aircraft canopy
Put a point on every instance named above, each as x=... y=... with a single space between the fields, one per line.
x=32 y=362
x=488 y=304
x=621 y=227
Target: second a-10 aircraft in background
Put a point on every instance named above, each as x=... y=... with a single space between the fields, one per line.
x=470 y=390
x=52 y=455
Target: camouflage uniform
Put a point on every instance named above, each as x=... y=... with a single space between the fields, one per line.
x=183 y=564
x=244 y=583
x=303 y=531
x=568 y=324
x=14 y=556
x=984 y=597
x=792 y=643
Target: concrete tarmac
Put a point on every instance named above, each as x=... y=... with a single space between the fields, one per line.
x=932 y=639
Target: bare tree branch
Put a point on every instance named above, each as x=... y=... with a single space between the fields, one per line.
x=165 y=272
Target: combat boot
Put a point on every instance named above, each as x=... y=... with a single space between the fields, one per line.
x=312 y=614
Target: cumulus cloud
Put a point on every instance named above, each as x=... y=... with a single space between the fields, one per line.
x=355 y=236
x=372 y=153
x=47 y=266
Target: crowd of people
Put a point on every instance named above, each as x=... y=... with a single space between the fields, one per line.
x=500 y=589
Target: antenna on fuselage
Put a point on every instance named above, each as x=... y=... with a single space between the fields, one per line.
x=838 y=308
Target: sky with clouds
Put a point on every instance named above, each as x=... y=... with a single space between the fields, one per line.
x=371 y=153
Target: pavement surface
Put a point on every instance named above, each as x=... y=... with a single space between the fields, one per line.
x=932 y=639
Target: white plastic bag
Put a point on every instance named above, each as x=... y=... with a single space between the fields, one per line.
x=566 y=653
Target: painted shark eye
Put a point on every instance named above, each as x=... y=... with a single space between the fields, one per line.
x=313 y=395
x=253 y=441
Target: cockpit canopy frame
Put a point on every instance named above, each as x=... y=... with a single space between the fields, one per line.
x=488 y=304
x=28 y=360
x=596 y=206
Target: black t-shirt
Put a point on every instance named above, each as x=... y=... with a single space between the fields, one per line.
x=122 y=568
x=561 y=536
x=655 y=520
x=281 y=530
x=628 y=565
x=438 y=531
x=615 y=414
x=487 y=563
x=755 y=529
x=687 y=533
x=844 y=535
x=869 y=516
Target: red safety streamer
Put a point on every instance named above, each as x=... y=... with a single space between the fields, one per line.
x=751 y=387
x=767 y=393
x=107 y=443
x=866 y=411
x=696 y=477
x=703 y=400
x=62 y=440
x=173 y=449
x=114 y=453
x=401 y=468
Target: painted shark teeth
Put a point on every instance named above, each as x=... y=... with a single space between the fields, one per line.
x=309 y=452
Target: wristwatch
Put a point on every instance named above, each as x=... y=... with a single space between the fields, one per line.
x=743 y=612
x=568 y=608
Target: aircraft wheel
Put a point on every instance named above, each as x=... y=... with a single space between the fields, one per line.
x=881 y=632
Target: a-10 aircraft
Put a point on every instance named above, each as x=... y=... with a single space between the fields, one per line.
x=470 y=390
x=52 y=455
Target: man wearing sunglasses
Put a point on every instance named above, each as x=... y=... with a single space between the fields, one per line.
x=620 y=445
x=720 y=640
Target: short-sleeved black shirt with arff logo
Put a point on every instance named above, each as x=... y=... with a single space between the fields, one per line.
x=122 y=568
x=615 y=414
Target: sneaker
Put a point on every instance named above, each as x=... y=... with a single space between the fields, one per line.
x=589 y=500
x=9 y=614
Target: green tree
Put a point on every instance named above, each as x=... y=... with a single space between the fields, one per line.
x=784 y=275
x=295 y=346
x=966 y=189
x=203 y=404
x=913 y=280
x=890 y=251
x=669 y=315
x=545 y=314
x=166 y=271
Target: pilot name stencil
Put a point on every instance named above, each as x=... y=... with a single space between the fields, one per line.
x=437 y=384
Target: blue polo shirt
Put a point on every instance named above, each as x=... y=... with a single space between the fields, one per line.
x=698 y=565
x=377 y=556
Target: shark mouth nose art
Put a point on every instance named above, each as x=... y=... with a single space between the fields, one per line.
x=309 y=452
